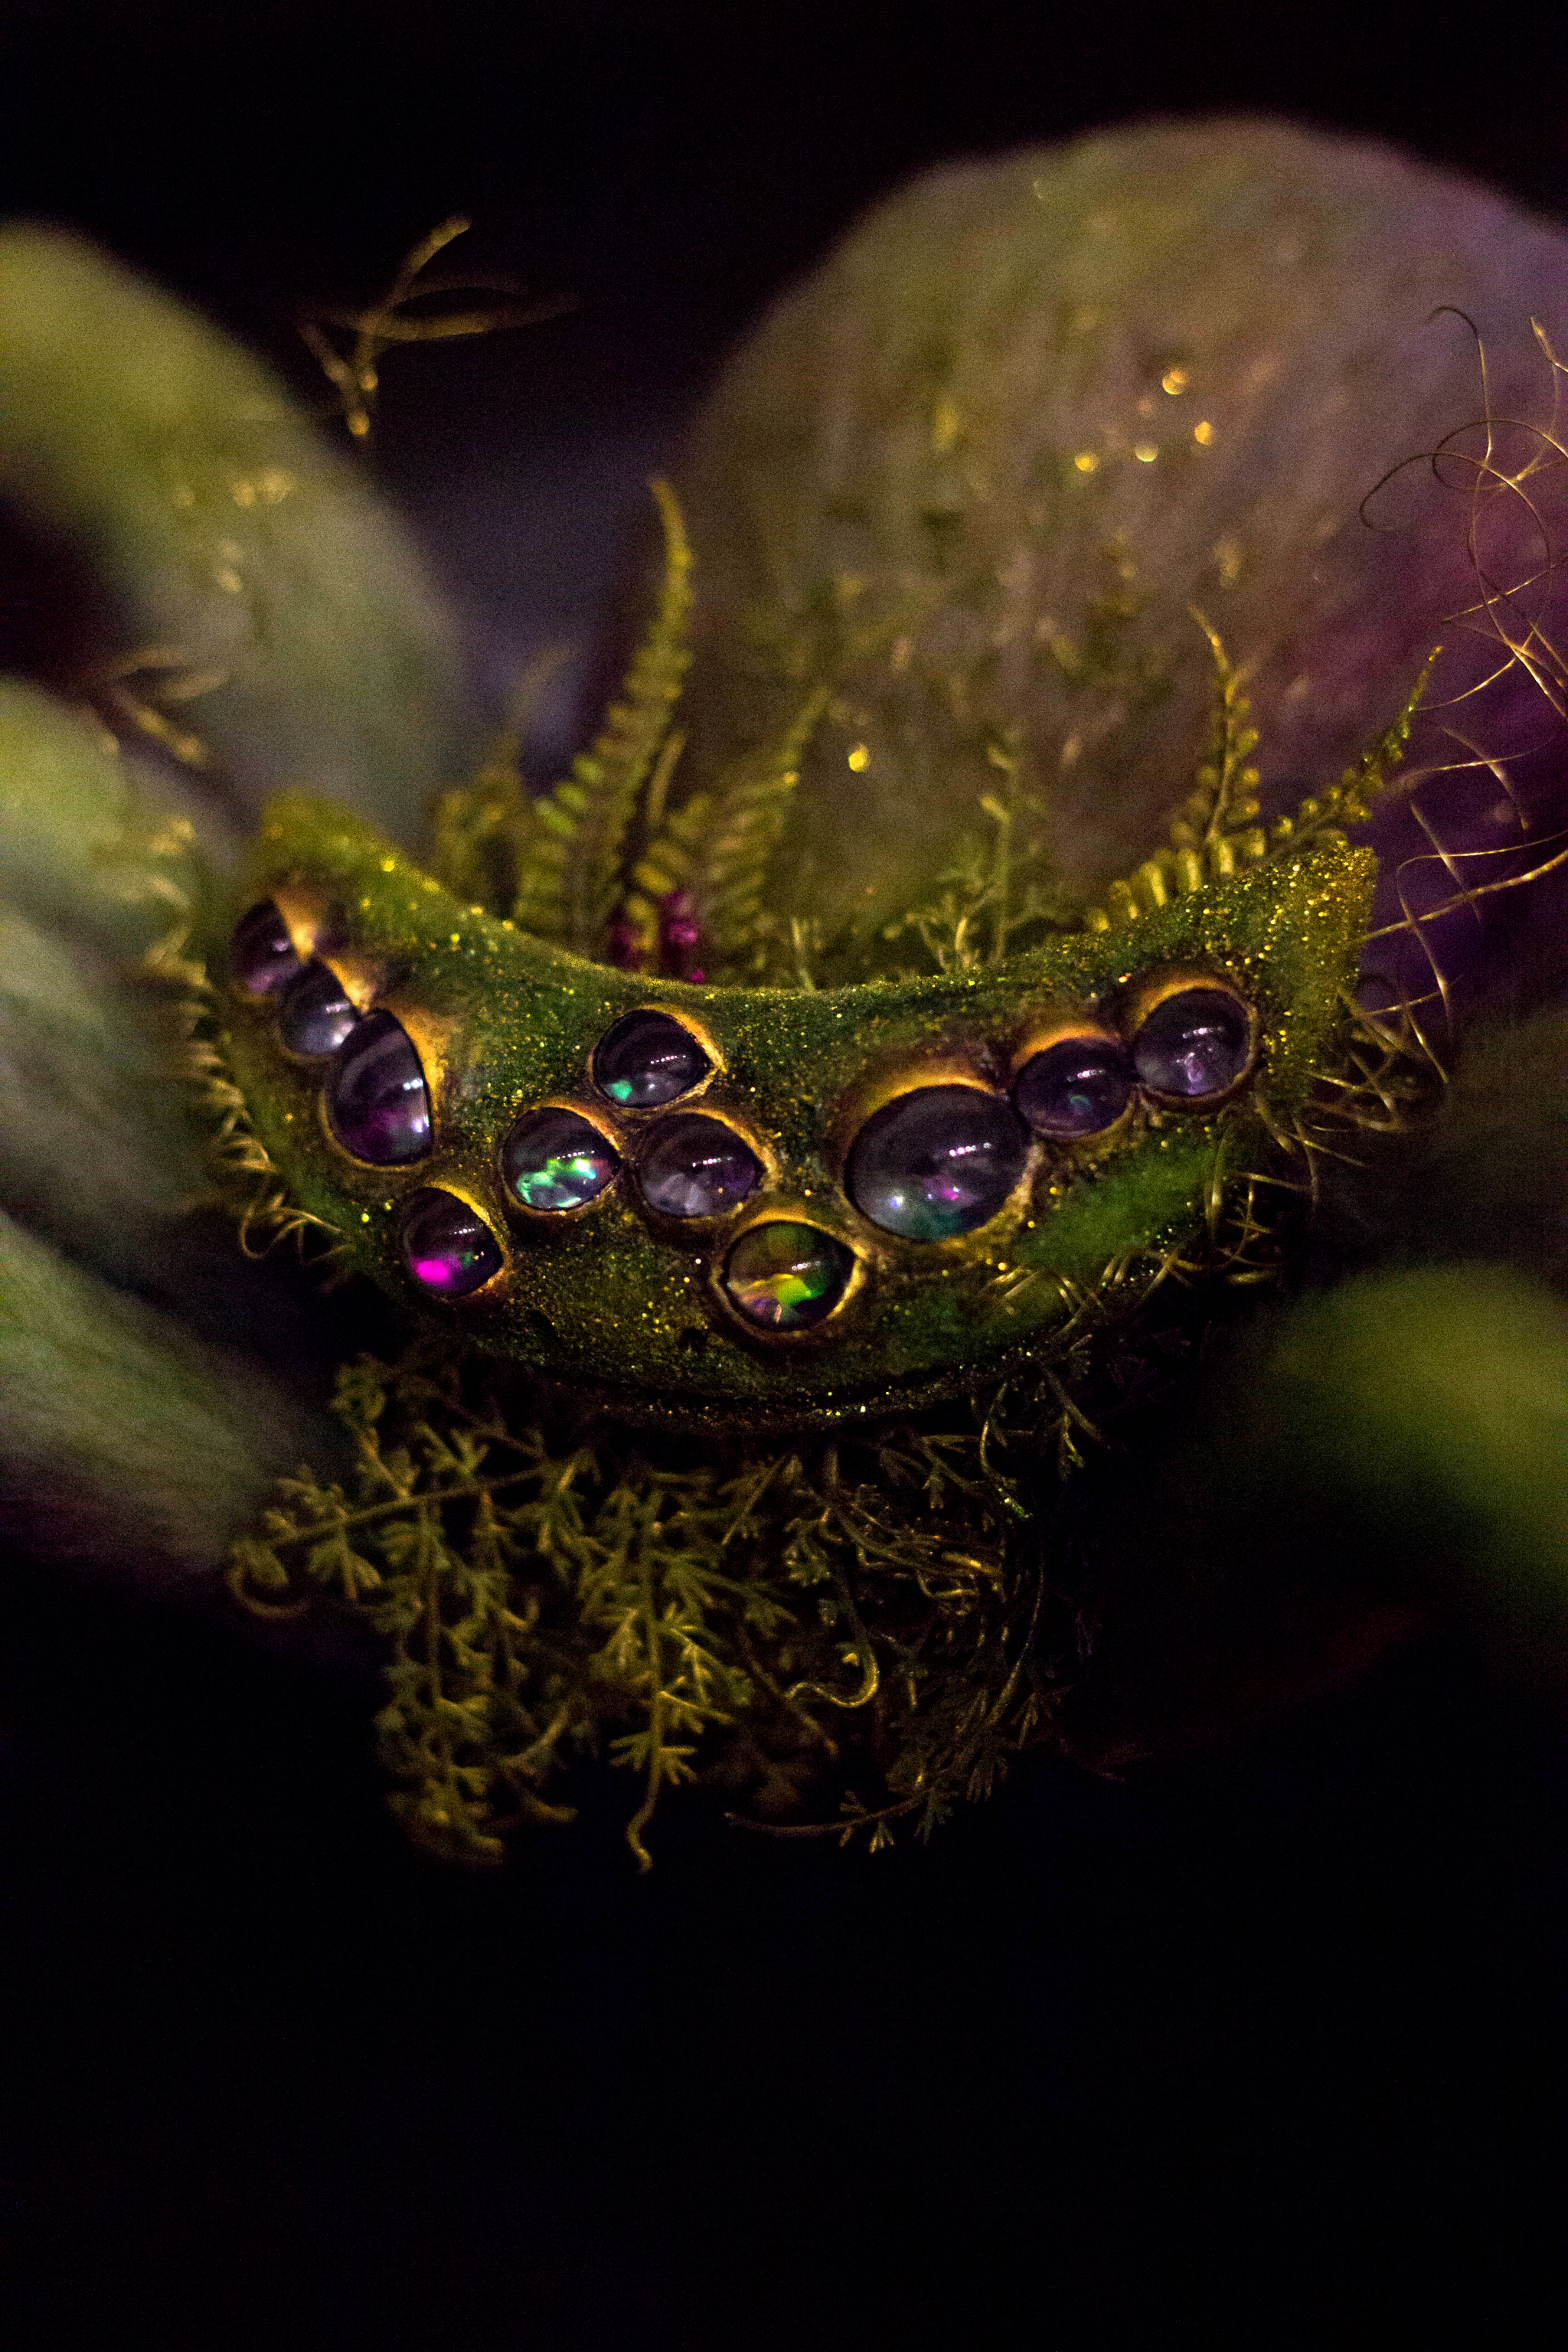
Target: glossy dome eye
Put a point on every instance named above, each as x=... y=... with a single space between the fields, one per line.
x=1195 y=1043
x=377 y=1101
x=446 y=1245
x=315 y=1015
x=645 y=1059
x=1078 y=1086
x=261 y=955
x=936 y=1163
x=554 y=1160
x=697 y=1167
x=788 y=1276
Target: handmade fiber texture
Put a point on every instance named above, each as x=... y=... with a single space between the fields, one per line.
x=905 y=1209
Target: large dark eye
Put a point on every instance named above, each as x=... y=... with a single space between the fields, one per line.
x=646 y=1059
x=554 y=1160
x=937 y=1162
x=786 y=1277
x=448 y=1245
x=315 y=1015
x=697 y=1167
x=1077 y=1086
x=1193 y=1043
x=261 y=955
x=377 y=1100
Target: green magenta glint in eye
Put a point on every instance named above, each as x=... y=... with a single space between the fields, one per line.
x=447 y=1247
x=646 y=1059
x=786 y=1277
x=936 y=1163
x=554 y=1160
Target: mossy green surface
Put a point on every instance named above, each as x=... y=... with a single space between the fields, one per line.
x=602 y=1299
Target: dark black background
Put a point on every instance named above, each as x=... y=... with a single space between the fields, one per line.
x=1255 y=2047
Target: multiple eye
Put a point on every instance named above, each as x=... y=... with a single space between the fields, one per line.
x=781 y=1277
x=941 y=1160
x=378 y=1103
x=933 y=1163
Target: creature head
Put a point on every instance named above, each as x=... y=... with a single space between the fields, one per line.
x=767 y=1203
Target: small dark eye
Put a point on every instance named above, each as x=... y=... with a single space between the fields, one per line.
x=646 y=1059
x=1193 y=1043
x=1077 y=1086
x=448 y=1245
x=936 y=1163
x=261 y=955
x=788 y=1276
x=377 y=1100
x=554 y=1160
x=315 y=1015
x=697 y=1167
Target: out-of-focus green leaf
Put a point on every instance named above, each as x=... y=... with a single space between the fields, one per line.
x=231 y=540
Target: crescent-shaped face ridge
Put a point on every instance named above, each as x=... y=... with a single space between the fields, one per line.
x=758 y=1205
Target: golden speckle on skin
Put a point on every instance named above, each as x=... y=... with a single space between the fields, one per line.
x=1175 y=381
x=1145 y=452
x=1086 y=461
x=860 y=758
x=1203 y=433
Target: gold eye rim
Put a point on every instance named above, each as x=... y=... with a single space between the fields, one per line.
x=698 y=1030
x=556 y=1220
x=495 y=1286
x=1146 y=995
x=661 y=1221
x=935 y=1077
x=788 y=1210
x=1038 y=1038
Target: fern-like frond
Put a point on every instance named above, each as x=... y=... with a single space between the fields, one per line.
x=573 y=850
x=1350 y=801
x=1216 y=830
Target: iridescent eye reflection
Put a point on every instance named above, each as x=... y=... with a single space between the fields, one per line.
x=1079 y=1085
x=646 y=1059
x=1193 y=1043
x=788 y=1276
x=377 y=1101
x=446 y=1245
x=697 y=1167
x=936 y=1163
x=261 y=956
x=315 y=1015
x=552 y=1160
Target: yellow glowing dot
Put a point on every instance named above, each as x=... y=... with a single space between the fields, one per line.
x=1145 y=452
x=243 y=493
x=1086 y=461
x=1204 y=433
x=861 y=757
x=229 y=580
x=1173 y=381
x=454 y=940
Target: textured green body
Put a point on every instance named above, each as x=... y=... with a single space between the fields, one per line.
x=505 y=1023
